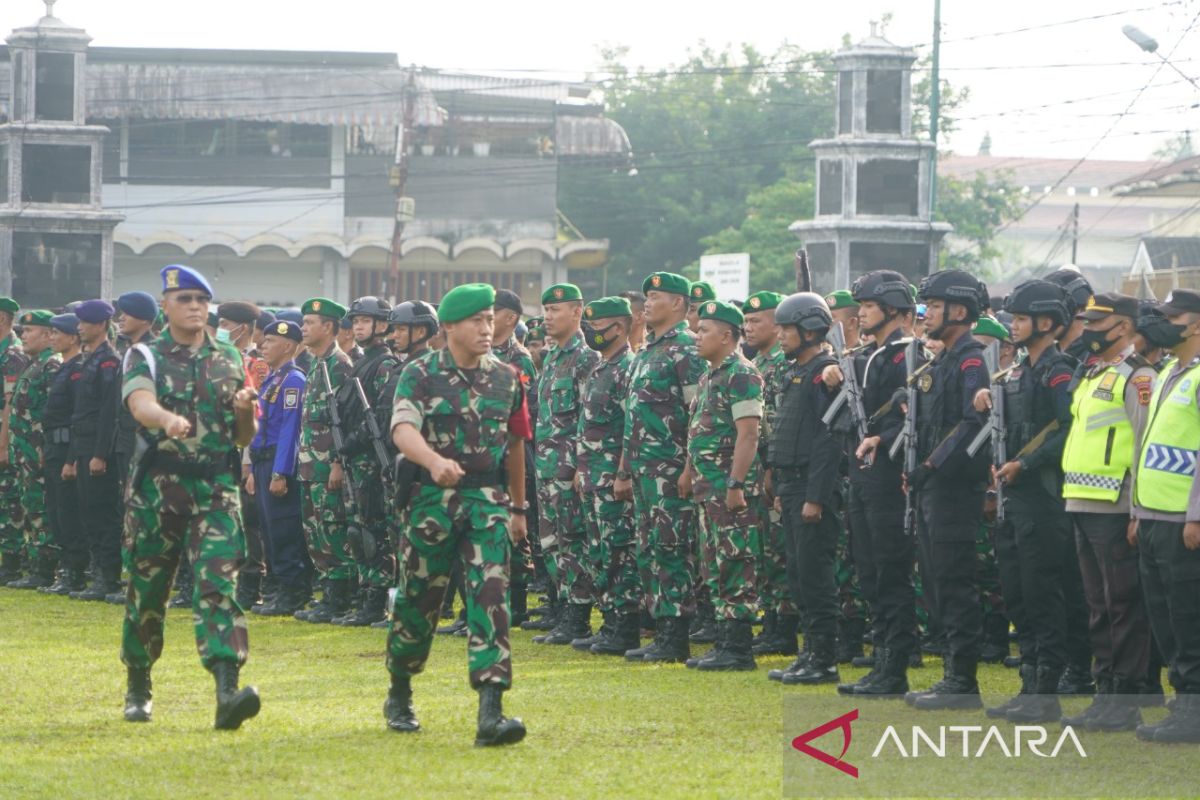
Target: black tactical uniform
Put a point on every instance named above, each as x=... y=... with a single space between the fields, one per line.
x=62 y=499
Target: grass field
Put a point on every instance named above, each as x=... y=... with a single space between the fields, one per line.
x=598 y=727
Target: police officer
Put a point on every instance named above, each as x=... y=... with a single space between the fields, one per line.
x=883 y=549
x=62 y=499
x=93 y=446
x=376 y=371
x=273 y=461
x=460 y=415
x=1035 y=543
x=1079 y=292
x=949 y=484
x=805 y=457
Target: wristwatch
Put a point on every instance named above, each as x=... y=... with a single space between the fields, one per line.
x=733 y=483
x=275 y=476
x=624 y=475
x=516 y=509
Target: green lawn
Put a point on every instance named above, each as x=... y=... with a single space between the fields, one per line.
x=598 y=727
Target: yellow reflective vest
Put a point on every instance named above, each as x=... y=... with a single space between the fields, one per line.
x=1166 y=465
x=1099 y=448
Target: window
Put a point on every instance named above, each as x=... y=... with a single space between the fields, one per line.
x=883 y=100
x=52 y=269
x=830 y=199
x=822 y=263
x=888 y=186
x=54 y=90
x=845 y=101
x=56 y=173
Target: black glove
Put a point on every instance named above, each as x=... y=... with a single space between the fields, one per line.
x=919 y=477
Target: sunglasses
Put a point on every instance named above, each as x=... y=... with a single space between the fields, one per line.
x=188 y=299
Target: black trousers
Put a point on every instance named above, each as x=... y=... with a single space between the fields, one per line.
x=1117 y=623
x=101 y=508
x=1043 y=547
x=255 y=561
x=811 y=551
x=950 y=515
x=284 y=550
x=1171 y=585
x=878 y=540
x=62 y=511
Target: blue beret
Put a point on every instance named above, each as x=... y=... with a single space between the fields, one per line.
x=94 y=311
x=288 y=330
x=289 y=315
x=177 y=276
x=66 y=323
x=139 y=305
x=265 y=318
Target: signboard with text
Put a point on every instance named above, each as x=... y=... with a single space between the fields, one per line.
x=729 y=274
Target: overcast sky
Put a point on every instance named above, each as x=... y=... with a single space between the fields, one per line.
x=1030 y=108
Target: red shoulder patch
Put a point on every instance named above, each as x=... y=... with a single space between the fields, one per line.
x=817 y=378
x=1145 y=388
x=110 y=364
x=899 y=357
x=971 y=362
x=1057 y=379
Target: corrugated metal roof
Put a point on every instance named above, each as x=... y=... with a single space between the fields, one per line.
x=1173 y=252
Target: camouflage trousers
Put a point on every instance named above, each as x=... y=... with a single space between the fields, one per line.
x=729 y=542
x=324 y=515
x=38 y=542
x=564 y=539
x=377 y=569
x=773 y=593
x=12 y=536
x=440 y=527
x=166 y=517
x=666 y=535
x=850 y=598
x=611 y=551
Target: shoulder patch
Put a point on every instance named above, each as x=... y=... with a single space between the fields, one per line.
x=898 y=358
x=291 y=398
x=1145 y=388
x=817 y=378
x=969 y=363
x=1058 y=379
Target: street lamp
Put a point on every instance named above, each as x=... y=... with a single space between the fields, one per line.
x=1150 y=45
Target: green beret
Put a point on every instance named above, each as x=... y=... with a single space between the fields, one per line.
x=38 y=318
x=9 y=305
x=840 y=299
x=762 y=301
x=723 y=312
x=667 y=282
x=701 y=291
x=607 y=307
x=465 y=301
x=534 y=322
x=561 y=293
x=323 y=307
x=986 y=326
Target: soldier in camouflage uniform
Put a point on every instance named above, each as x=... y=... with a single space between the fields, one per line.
x=699 y=293
x=460 y=415
x=724 y=475
x=535 y=340
x=598 y=453
x=780 y=617
x=322 y=480
x=561 y=525
x=188 y=393
x=12 y=361
x=23 y=432
x=662 y=386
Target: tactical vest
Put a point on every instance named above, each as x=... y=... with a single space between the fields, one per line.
x=1167 y=462
x=1023 y=420
x=1099 y=448
x=796 y=407
x=939 y=388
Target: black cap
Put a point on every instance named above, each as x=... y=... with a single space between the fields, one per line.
x=508 y=299
x=1181 y=301
x=1102 y=305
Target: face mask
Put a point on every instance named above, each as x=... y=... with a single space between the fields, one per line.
x=595 y=337
x=1095 y=341
x=224 y=336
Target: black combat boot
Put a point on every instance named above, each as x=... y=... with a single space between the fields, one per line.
x=494 y=728
x=70 y=579
x=398 y=710
x=797 y=665
x=10 y=567
x=821 y=666
x=518 y=604
x=767 y=631
x=289 y=599
x=234 y=706
x=958 y=689
x=782 y=641
x=674 y=645
x=183 y=586
x=638 y=654
x=622 y=637
x=1122 y=711
x=270 y=590
x=712 y=652
x=1181 y=726
x=104 y=581
x=737 y=653
x=1076 y=680
x=549 y=620
x=116 y=598
x=891 y=678
x=336 y=603
x=703 y=628
x=138 y=699
x=585 y=643
x=1042 y=705
x=1098 y=707
x=1028 y=675
x=41 y=573
x=849 y=640
x=371 y=610
x=877 y=661
x=575 y=624
x=249 y=590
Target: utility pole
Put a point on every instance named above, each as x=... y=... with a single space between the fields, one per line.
x=1075 y=235
x=398 y=177
x=935 y=91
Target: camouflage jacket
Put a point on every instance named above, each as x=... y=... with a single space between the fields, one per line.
x=731 y=391
x=464 y=415
x=602 y=420
x=516 y=355
x=12 y=361
x=662 y=385
x=558 y=407
x=316 y=454
x=773 y=365
x=198 y=384
x=28 y=400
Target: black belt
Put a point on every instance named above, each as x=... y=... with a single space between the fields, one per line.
x=174 y=465
x=59 y=435
x=781 y=473
x=472 y=480
x=261 y=454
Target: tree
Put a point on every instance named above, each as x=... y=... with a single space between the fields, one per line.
x=1176 y=148
x=977 y=208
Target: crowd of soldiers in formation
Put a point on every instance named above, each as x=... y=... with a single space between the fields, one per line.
x=925 y=470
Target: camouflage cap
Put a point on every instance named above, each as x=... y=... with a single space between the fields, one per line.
x=840 y=299
x=465 y=301
x=667 y=282
x=722 y=312
x=39 y=318
x=701 y=291
x=761 y=301
x=561 y=293
x=323 y=307
x=607 y=307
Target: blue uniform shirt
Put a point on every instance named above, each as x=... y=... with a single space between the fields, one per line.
x=280 y=402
